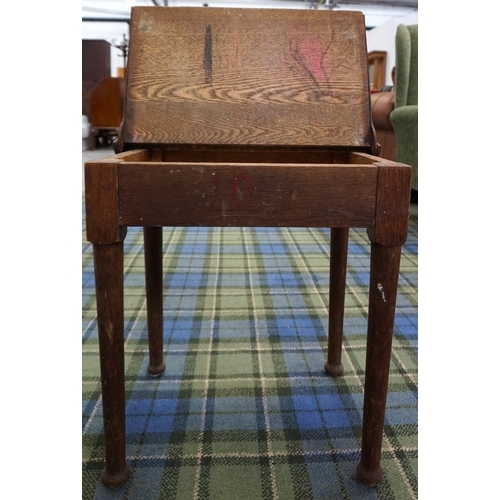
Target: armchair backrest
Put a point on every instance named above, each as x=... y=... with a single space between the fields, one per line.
x=406 y=77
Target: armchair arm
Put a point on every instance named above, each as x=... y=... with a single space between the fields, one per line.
x=405 y=123
x=382 y=106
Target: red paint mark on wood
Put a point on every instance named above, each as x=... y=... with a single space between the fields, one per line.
x=240 y=199
x=309 y=53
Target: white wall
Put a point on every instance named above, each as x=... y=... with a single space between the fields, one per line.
x=383 y=38
x=108 y=32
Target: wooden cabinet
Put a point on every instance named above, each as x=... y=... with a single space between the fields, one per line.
x=96 y=63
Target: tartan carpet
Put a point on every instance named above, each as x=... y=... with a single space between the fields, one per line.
x=244 y=409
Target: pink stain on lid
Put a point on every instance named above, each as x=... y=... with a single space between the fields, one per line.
x=309 y=52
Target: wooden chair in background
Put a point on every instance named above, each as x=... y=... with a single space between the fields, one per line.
x=249 y=118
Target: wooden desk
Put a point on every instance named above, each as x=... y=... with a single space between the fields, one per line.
x=238 y=117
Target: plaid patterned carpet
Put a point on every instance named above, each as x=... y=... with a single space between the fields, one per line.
x=244 y=409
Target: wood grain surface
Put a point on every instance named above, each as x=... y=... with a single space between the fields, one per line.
x=247 y=76
x=234 y=194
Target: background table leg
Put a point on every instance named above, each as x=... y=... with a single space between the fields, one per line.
x=108 y=264
x=153 y=256
x=339 y=239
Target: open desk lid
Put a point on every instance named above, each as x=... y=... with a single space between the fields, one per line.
x=264 y=77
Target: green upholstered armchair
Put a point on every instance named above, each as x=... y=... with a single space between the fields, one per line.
x=404 y=117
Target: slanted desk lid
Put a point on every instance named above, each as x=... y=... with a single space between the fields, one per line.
x=217 y=76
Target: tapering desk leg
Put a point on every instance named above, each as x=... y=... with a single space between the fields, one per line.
x=339 y=239
x=384 y=274
x=108 y=264
x=153 y=256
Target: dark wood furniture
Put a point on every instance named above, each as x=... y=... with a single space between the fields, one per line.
x=240 y=117
x=96 y=63
x=106 y=109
